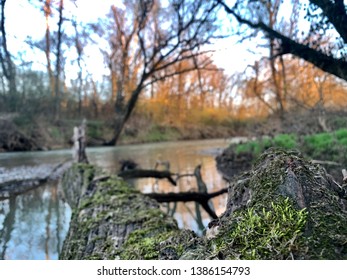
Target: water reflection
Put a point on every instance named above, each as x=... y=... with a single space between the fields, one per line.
x=33 y=225
x=183 y=158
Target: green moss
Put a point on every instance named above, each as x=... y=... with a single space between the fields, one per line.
x=144 y=243
x=274 y=232
x=106 y=205
x=271 y=222
x=285 y=208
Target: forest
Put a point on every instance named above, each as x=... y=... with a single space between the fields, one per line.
x=264 y=80
x=149 y=70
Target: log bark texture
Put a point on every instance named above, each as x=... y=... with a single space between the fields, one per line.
x=112 y=220
x=285 y=208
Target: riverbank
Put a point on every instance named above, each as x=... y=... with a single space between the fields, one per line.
x=19 y=133
x=23 y=133
x=328 y=149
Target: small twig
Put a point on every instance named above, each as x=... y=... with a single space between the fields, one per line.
x=144 y=173
x=100 y=179
x=179 y=176
x=325 y=162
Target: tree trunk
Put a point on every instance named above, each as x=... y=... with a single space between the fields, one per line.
x=58 y=67
x=286 y=202
x=7 y=65
x=47 y=10
x=123 y=115
x=79 y=143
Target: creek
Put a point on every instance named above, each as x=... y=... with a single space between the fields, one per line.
x=33 y=225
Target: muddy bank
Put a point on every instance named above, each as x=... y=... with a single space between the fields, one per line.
x=13 y=139
x=17 y=180
x=20 y=134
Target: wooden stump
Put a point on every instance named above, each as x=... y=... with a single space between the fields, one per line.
x=79 y=143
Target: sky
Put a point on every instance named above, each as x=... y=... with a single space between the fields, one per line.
x=229 y=55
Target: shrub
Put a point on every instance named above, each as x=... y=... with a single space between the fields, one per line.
x=286 y=141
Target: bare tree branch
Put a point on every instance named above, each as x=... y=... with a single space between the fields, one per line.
x=327 y=63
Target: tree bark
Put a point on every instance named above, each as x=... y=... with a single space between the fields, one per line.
x=47 y=11
x=7 y=65
x=122 y=116
x=285 y=201
x=58 y=66
x=79 y=143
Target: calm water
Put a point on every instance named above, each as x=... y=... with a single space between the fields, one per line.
x=33 y=225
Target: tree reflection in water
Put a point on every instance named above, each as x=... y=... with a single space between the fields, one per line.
x=33 y=225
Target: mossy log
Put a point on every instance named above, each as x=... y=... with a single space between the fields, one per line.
x=112 y=220
x=285 y=208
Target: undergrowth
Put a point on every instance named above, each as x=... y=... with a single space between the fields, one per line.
x=324 y=146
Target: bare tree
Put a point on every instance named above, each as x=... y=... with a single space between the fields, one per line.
x=58 y=66
x=53 y=45
x=79 y=51
x=47 y=9
x=148 y=38
x=323 y=15
x=7 y=65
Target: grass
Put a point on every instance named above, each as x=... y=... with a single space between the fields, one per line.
x=285 y=141
x=324 y=146
x=94 y=129
x=159 y=134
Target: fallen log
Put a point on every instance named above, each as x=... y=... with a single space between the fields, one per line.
x=112 y=220
x=285 y=208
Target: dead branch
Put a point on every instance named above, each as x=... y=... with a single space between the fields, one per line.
x=325 y=162
x=201 y=184
x=147 y=173
x=201 y=198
